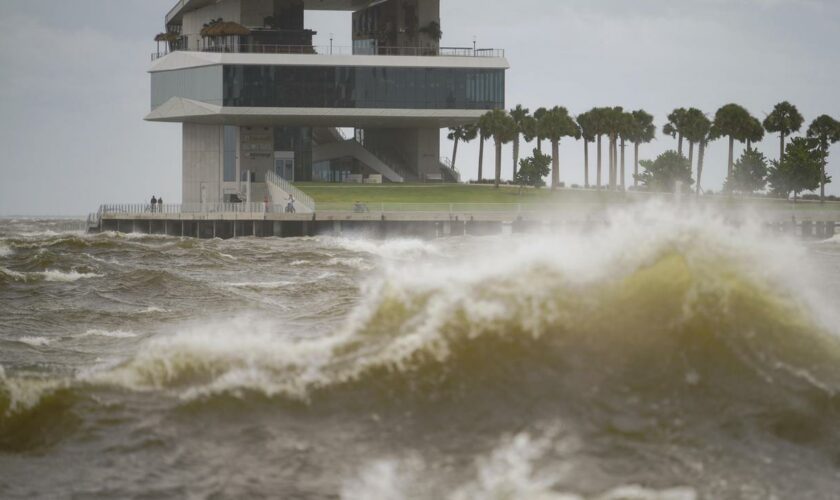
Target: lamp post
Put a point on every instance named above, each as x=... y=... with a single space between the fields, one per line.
x=331 y=43
x=474 y=40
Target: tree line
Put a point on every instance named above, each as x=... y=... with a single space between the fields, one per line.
x=801 y=165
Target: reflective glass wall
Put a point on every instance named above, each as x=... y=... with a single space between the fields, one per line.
x=363 y=87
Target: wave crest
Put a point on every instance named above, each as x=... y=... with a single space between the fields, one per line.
x=655 y=306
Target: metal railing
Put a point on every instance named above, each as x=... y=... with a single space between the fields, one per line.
x=300 y=197
x=452 y=209
x=326 y=50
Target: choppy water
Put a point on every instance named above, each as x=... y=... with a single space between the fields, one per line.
x=667 y=356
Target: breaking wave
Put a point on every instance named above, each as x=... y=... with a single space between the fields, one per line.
x=680 y=312
x=659 y=306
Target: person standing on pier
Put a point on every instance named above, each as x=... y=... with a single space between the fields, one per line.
x=160 y=204
x=153 y=204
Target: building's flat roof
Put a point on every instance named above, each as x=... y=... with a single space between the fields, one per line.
x=183 y=60
x=184 y=6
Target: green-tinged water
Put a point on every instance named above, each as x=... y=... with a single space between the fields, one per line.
x=664 y=357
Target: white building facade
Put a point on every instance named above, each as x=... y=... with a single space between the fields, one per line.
x=255 y=96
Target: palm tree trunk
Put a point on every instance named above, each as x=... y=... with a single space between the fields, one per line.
x=822 y=182
x=498 y=162
x=586 y=164
x=636 y=165
x=700 y=156
x=749 y=144
x=680 y=144
x=781 y=146
x=539 y=144
x=610 y=161
x=555 y=164
x=454 y=153
x=598 y=178
x=515 y=155
x=622 y=164
x=690 y=155
x=614 y=169
x=480 y=158
x=731 y=157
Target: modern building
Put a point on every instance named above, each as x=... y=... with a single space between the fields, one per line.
x=255 y=97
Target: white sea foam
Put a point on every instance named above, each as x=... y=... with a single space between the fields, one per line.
x=154 y=310
x=5 y=250
x=262 y=285
x=389 y=249
x=65 y=276
x=35 y=341
x=515 y=469
x=354 y=263
x=115 y=334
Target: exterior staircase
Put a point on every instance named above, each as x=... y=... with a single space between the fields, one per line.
x=351 y=148
x=279 y=190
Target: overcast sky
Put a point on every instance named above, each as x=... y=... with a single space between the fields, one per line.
x=74 y=87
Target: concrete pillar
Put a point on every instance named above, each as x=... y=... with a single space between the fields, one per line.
x=829 y=229
x=807 y=229
x=820 y=229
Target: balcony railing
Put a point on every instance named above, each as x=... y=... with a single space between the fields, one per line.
x=327 y=50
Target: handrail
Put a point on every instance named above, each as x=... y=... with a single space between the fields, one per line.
x=454 y=209
x=300 y=197
x=326 y=50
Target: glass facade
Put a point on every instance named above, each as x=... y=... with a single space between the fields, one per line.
x=363 y=87
x=199 y=84
x=334 y=87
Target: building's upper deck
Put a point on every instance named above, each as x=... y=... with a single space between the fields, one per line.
x=335 y=50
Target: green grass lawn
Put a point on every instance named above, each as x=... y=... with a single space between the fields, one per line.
x=346 y=194
x=441 y=193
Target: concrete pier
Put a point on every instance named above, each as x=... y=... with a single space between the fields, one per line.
x=426 y=225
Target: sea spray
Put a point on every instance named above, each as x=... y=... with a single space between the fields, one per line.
x=651 y=288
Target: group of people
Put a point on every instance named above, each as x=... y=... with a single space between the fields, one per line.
x=156 y=205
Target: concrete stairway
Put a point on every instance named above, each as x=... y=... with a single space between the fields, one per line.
x=351 y=148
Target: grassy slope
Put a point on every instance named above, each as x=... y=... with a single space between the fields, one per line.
x=463 y=193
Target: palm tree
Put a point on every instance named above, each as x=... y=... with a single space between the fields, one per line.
x=735 y=122
x=539 y=114
x=464 y=133
x=587 y=129
x=704 y=141
x=784 y=120
x=826 y=131
x=557 y=123
x=755 y=132
x=613 y=122
x=519 y=116
x=598 y=126
x=675 y=126
x=625 y=134
x=502 y=128
x=696 y=129
x=642 y=131
x=483 y=135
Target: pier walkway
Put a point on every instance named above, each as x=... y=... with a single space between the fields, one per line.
x=397 y=219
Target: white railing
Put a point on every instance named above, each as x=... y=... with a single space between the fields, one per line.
x=338 y=50
x=300 y=197
x=190 y=208
x=141 y=209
